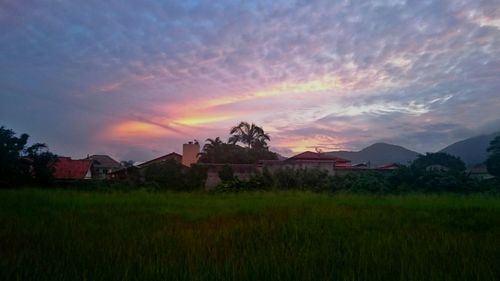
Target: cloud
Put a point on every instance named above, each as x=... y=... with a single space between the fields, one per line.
x=114 y=76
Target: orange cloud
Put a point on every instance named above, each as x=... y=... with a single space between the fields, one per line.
x=286 y=88
x=298 y=145
x=200 y=119
x=137 y=129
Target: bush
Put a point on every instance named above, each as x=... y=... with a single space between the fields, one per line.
x=302 y=179
x=172 y=175
x=362 y=183
x=195 y=177
x=226 y=174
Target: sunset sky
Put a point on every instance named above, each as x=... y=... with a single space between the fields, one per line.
x=136 y=79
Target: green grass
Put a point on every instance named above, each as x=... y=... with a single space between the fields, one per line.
x=71 y=235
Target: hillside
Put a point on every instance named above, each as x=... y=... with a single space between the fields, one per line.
x=378 y=154
x=472 y=150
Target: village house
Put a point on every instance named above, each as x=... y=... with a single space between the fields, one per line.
x=67 y=169
x=190 y=153
x=102 y=165
x=309 y=160
x=480 y=172
x=167 y=157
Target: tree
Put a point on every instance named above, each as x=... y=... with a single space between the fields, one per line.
x=42 y=161
x=251 y=135
x=439 y=158
x=493 y=161
x=217 y=151
x=211 y=150
x=226 y=174
x=20 y=164
x=167 y=175
x=12 y=168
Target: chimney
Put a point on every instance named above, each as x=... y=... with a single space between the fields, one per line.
x=190 y=153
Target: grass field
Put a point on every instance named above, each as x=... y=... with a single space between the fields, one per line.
x=71 y=235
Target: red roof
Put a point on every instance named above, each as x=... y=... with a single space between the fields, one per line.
x=67 y=169
x=309 y=155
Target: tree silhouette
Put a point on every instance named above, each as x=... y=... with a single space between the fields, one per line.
x=493 y=161
x=439 y=158
x=252 y=135
x=20 y=164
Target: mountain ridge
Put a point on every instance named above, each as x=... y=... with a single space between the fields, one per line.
x=378 y=154
x=471 y=150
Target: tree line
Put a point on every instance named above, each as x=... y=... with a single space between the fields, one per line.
x=21 y=164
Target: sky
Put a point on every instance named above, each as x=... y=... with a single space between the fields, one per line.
x=136 y=79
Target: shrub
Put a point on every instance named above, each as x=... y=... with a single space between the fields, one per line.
x=361 y=183
x=171 y=175
x=303 y=179
x=226 y=174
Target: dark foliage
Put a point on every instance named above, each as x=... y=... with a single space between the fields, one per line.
x=439 y=158
x=252 y=136
x=23 y=165
x=403 y=180
x=172 y=175
x=226 y=174
x=302 y=179
x=42 y=161
x=216 y=151
x=362 y=183
x=493 y=161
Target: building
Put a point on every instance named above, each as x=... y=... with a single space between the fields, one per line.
x=309 y=160
x=390 y=166
x=125 y=173
x=190 y=153
x=480 y=172
x=437 y=168
x=167 y=157
x=67 y=169
x=102 y=165
x=241 y=171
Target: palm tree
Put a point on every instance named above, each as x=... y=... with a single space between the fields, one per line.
x=211 y=149
x=251 y=135
x=212 y=144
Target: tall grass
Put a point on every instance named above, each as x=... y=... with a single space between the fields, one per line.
x=65 y=235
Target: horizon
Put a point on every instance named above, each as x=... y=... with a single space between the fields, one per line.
x=137 y=80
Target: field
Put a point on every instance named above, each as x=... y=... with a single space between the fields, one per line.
x=76 y=235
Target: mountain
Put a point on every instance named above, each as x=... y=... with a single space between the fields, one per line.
x=378 y=154
x=472 y=150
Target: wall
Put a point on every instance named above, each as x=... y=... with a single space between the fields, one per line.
x=241 y=171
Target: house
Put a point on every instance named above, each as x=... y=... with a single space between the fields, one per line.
x=103 y=165
x=390 y=166
x=361 y=165
x=480 y=172
x=171 y=156
x=125 y=173
x=309 y=160
x=190 y=152
x=437 y=168
x=66 y=168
